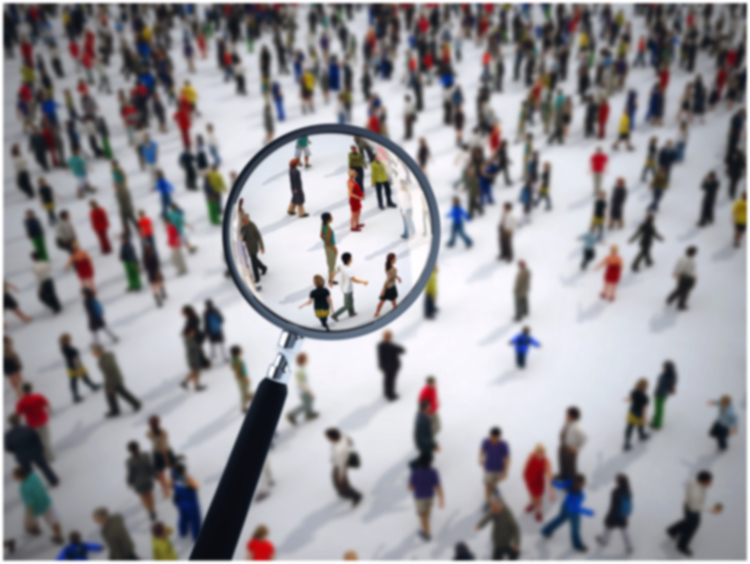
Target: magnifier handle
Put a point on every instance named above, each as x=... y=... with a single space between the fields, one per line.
x=226 y=515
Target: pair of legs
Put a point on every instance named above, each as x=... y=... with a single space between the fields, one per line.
x=588 y=256
x=147 y=499
x=424 y=507
x=354 y=223
x=644 y=254
x=603 y=539
x=50 y=517
x=575 y=526
x=190 y=517
x=114 y=407
x=348 y=306
x=457 y=230
x=682 y=292
x=305 y=407
x=683 y=531
x=535 y=505
x=629 y=431
x=608 y=293
x=193 y=376
x=380 y=306
x=21 y=315
x=110 y=334
x=157 y=289
x=86 y=380
x=15 y=381
x=300 y=209
x=344 y=489
x=739 y=233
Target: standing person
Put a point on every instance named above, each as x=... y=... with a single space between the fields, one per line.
x=458 y=216
x=521 y=289
x=538 y=474
x=424 y=482
x=77 y=549
x=153 y=272
x=341 y=458
x=124 y=200
x=114 y=384
x=329 y=245
x=572 y=439
x=494 y=457
x=405 y=207
x=430 y=395
x=570 y=510
x=46 y=289
x=186 y=500
x=84 y=267
x=659 y=185
x=521 y=343
x=130 y=262
x=320 y=297
x=37 y=502
x=598 y=168
x=165 y=189
x=389 y=292
x=695 y=498
x=195 y=362
x=36 y=409
x=645 y=235
x=259 y=547
x=213 y=145
x=613 y=264
x=423 y=154
x=735 y=163
x=739 y=217
x=637 y=414
x=76 y=369
x=600 y=212
x=356 y=162
x=65 y=233
x=410 y=116
x=665 y=386
x=24 y=443
x=100 y=224
x=47 y=199
x=617 y=204
x=115 y=535
x=95 y=314
x=305 y=393
x=240 y=374
x=620 y=507
x=79 y=168
x=161 y=545
x=507 y=227
x=389 y=362
x=140 y=476
x=506 y=535
x=162 y=453
x=250 y=235
x=298 y=196
x=23 y=180
x=684 y=272
x=35 y=232
x=356 y=195
x=424 y=438
x=213 y=322
x=710 y=188
x=12 y=366
x=346 y=284
x=726 y=423
x=382 y=183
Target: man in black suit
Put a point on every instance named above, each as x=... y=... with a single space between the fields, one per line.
x=389 y=362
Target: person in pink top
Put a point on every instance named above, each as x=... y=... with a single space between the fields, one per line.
x=430 y=395
x=36 y=409
x=598 y=168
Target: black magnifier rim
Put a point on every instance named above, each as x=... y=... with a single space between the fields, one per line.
x=383 y=320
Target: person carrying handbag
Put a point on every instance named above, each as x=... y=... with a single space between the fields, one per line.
x=342 y=458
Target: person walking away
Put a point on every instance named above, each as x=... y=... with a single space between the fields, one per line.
x=710 y=188
x=537 y=475
x=665 y=386
x=114 y=384
x=100 y=224
x=341 y=458
x=620 y=508
x=76 y=549
x=695 y=498
x=140 y=476
x=506 y=535
x=346 y=284
x=259 y=547
x=115 y=534
x=739 y=216
x=321 y=298
x=389 y=362
x=161 y=545
x=186 y=500
x=46 y=285
x=240 y=374
x=37 y=502
x=163 y=457
x=250 y=235
x=637 y=414
x=153 y=271
x=645 y=235
x=598 y=168
x=76 y=369
x=600 y=212
x=36 y=409
x=430 y=395
x=213 y=322
x=521 y=291
x=613 y=264
x=726 y=423
x=389 y=293
x=24 y=443
x=507 y=227
x=298 y=195
x=329 y=244
x=570 y=510
x=684 y=272
x=305 y=392
x=572 y=439
x=424 y=482
x=65 y=234
x=522 y=342
x=494 y=457
x=35 y=232
x=79 y=168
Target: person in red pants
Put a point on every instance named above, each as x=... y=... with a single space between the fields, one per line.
x=182 y=117
x=100 y=223
x=603 y=116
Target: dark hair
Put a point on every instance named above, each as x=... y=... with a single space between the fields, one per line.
x=346 y=257
x=179 y=470
x=157 y=529
x=27 y=387
x=462 y=552
x=21 y=472
x=326 y=217
x=333 y=434
x=154 y=422
x=669 y=366
x=691 y=251
x=704 y=476
x=74 y=537
x=134 y=448
x=495 y=432
x=14 y=419
x=389 y=261
x=235 y=350
x=424 y=460
x=623 y=484
x=574 y=413
x=578 y=482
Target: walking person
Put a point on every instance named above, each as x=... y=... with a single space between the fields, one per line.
x=637 y=414
x=329 y=245
x=695 y=498
x=240 y=375
x=389 y=362
x=130 y=261
x=140 y=476
x=46 y=285
x=684 y=272
x=195 y=359
x=95 y=314
x=613 y=264
x=600 y=212
x=214 y=322
x=389 y=292
x=424 y=482
x=114 y=384
x=12 y=366
x=250 y=235
x=35 y=232
x=10 y=303
x=298 y=195
x=494 y=458
x=726 y=423
x=185 y=498
x=347 y=286
x=356 y=195
x=36 y=409
x=320 y=297
x=259 y=547
x=739 y=218
x=571 y=510
x=537 y=474
x=76 y=369
x=521 y=343
x=521 y=289
x=405 y=207
x=47 y=199
x=507 y=227
x=710 y=188
x=65 y=234
x=25 y=444
x=506 y=535
x=305 y=393
x=37 y=502
x=659 y=185
x=665 y=386
x=617 y=204
x=620 y=508
x=115 y=535
x=598 y=168
x=153 y=271
x=356 y=162
x=645 y=235
x=342 y=458
x=100 y=225
x=430 y=295
x=163 y=457
x=84 y=267
x=458 y=216
x=572 y=439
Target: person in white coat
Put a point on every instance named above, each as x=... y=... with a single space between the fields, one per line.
x=404 y=205
x=341 y=451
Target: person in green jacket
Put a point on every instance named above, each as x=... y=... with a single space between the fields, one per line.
x=161 y=545
x=357 y=163
x=382 y=183
x=506 y=537
x=130 y=262
x=37 y=503
x=215 y=186
x=430 y=295
x=329 y=244
x=80 y=171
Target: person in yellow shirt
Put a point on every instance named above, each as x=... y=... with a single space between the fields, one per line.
x=430 y=295
x=162 y=548
x=739 y=215
x=623 y=131
x=191 y=95
x=215 y=187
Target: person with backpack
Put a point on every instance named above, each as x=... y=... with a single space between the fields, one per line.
x=571 y=510
x=213 y=322
x=343 y=458
x=424 y=482
x=620 y=508
x=522 y=342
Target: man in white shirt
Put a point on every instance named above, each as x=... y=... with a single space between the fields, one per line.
x=46 y=289
x=508 y=225
x=684 y=272
x=341 y=451
x=347 y=278
x=572 y=439
x=695 y=498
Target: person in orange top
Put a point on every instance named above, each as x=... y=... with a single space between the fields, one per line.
x=613 y=262
x=430 y=395
x=100 y=223
x=146 y=229
x=538 y=474
x=259 y=547
x=81 y=260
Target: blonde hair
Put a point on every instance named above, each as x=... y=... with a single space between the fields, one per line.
x=613 y=249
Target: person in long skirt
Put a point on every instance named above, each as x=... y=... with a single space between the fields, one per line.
x=620 y=507
x=163 y=456
x=356 y=195
x=390 y=290
x=538 y=475
x=10 y=303
x=153 y=272
x=613 y=264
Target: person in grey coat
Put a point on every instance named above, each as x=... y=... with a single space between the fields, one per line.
x=113 y=382
x=194 y=359
x=298 y=195
x=115 y=535
x=506 y=538
x=521 y=291
x=250 y=235
x=423 y=436
x=140 y=476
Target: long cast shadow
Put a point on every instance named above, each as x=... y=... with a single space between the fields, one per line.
x=483 y=272
x=572 y=280
x=361 y=417
x=389 y=247
x=591 y=312
x=726 y=253
x=663 y=321
x=496 y=334
x=211 y=429
x=606 y=470
x=129 y=318
x=508 y=376
x=582 y=203
x=410 y=542
x=453 y=531
x=390 y=493
x=410 y=330
x=304 y=533
x=296 y=297
x=77 y=436
x=689 y=234
x=338 y=171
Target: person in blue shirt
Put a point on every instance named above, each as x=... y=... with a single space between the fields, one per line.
x=186 y=499
x=278 y=100
x=522 y=342
x=165 y=189
x=334 y=76
x=726 y=423
x=590 y=239
x=76 y=549
x=458 y=216
x=570 y=510
x=49 y=109
x=486 y=180
x=632 y=106
x=150 y=154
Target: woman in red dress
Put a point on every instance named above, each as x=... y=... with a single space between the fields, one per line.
x=613 y=262
x=81 y=260
x=537 y=474
x=355 y=200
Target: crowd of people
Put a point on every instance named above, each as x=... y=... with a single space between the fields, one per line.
x=144 y=40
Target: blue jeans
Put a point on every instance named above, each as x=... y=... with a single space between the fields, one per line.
x=521 y=359
x=655 y=203
x=485 y=193
x=575 y=526
x=215 y=154
x=190 y=516
x=166 y=200
x=279 y=108
x=457 y=229
x=679 y=151
x=408 y=224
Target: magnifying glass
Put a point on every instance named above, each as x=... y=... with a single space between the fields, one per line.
x=314 y=215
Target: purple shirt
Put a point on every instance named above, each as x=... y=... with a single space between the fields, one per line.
x=424 y=481
x=495 y=455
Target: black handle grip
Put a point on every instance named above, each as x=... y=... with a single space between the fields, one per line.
x=226 y=515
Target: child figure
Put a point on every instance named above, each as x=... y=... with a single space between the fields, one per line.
x=613 y=262
x=240 y=374
x=521 y=342
x=76 y=549
x=322 y=300
x=161 y=545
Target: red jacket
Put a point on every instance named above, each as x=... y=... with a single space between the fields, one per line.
x=88 y=43
x=603 y=112
x=83 y=90
x=25 y=93
x=27 y=52
x=429 y=394
x=664 y=79
x=374 y=124
x=99 y=220
x=183 y=119
x=173 y=237
x=87 y=60
x=129 y=115
x=599 y=162
x=144 y=225
x=73 y=48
